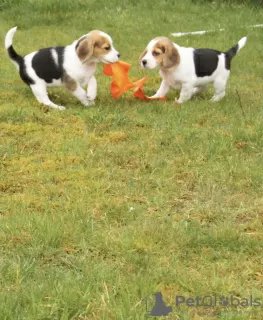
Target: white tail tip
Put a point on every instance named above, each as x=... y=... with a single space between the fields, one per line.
x=9 y=37
x=241 y=43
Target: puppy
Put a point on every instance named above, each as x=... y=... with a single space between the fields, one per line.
x=189 y=69
x=72 y=66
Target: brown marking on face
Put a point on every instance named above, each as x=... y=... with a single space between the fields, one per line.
x=69 y=82
x=141 y=56
x=157 y=51
x=165 y=53
x=94 y=45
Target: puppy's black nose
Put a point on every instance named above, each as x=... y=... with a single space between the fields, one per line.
x=118 y=55
x=144 y=62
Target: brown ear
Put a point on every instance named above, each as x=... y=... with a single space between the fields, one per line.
x=141 y=56
x=85 y=49
x=171 y=56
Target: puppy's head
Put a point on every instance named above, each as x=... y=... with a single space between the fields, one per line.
x=160 y=52
x=96 y=46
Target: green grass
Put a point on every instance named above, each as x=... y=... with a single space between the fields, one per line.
x=103 y=206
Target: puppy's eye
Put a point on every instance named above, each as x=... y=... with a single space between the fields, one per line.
x=155 y=54
x=107 y=48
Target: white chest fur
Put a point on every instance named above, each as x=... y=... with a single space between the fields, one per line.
x=81 y=72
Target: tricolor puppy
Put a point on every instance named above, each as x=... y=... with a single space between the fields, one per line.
x=189 y=69
x=71 y=66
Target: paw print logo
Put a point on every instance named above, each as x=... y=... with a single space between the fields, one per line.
x=160 y=308
x=224 y=301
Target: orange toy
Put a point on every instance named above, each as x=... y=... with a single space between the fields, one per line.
x=121 y=82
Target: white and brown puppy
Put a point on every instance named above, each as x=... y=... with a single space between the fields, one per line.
x=189 y=69
x=71 y=66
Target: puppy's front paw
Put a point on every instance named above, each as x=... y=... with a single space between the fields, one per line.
x=61 y=108
x=91 y=97
x=55 y=106
x=91 y=102
x=215 y=98
x=88 y=103
x=177 y=101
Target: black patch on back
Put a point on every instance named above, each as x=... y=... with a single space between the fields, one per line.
x=45 y=66
x=206 y=61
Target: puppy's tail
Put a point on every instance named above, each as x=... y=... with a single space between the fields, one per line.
x=234 y=50
x=16 y=58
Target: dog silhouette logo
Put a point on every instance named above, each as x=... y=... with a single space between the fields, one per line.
x=160 y=309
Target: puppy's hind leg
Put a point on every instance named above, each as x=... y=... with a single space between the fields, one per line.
x=220 y=86
x=40 y=92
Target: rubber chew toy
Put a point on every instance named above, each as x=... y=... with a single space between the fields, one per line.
x=121 y=82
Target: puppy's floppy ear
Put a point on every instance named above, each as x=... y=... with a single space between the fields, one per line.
x=171 y=56
x=85 y=48
x=141 y=56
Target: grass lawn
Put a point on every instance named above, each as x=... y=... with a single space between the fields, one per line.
x=105 y=205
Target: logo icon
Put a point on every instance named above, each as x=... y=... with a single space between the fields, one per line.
x=160 y=308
